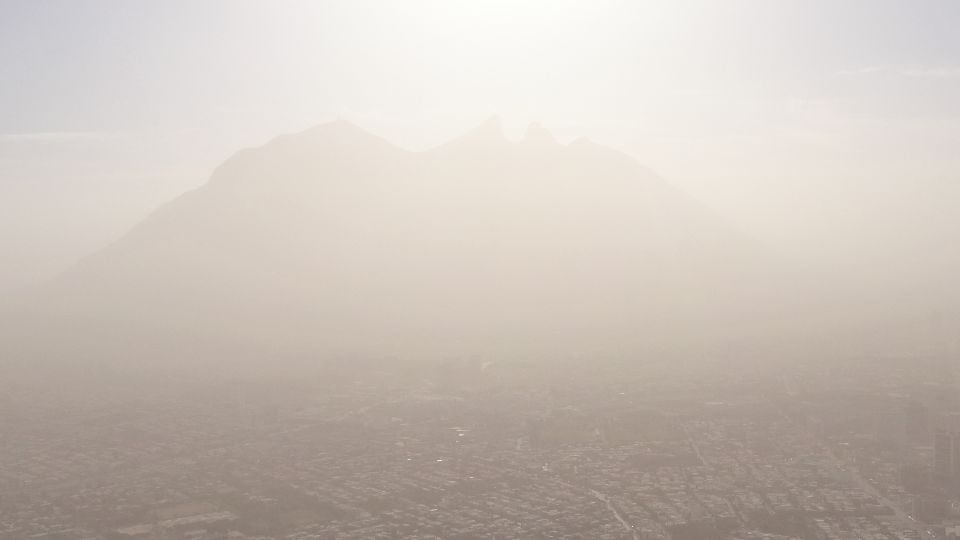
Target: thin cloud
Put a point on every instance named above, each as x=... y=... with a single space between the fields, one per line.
x=944 y=73
x=54 y=136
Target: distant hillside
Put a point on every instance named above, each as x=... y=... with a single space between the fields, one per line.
x=336 y=243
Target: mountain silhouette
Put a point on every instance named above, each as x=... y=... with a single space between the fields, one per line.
x=336 y=243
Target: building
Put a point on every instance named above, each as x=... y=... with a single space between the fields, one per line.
x=946 y=449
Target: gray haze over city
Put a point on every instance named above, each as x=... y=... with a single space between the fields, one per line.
x=479 y=269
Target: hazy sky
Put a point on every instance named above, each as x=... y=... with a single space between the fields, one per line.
x=827 y=128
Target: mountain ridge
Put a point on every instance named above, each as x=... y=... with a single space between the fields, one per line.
x=336 y=242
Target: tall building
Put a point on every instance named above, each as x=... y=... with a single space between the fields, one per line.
x=946 y=449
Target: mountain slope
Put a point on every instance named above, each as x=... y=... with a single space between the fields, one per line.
x=334 y=243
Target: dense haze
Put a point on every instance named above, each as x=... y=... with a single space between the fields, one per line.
x=826 y=131
x=820 y=134
x=334 y=242
x=479 y=269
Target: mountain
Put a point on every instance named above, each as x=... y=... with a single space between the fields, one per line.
x=334 y=243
